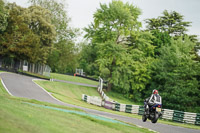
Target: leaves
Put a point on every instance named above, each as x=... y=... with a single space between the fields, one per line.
x=29 y=35
x=175 y=75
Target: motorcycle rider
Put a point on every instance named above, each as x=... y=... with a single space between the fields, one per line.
x=154 y=99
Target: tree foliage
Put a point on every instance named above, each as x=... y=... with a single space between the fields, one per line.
x=3 y=16
x=176 y=76
x=170 y=22
x=63 y=56
x=29 y=35
x=119 y=48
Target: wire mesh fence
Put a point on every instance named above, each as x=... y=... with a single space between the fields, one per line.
x=22 y=65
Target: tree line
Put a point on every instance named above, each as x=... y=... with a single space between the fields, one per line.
x=38 y=34
x=135 y=60
x=132 y=58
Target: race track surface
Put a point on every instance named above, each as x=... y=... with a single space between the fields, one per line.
x=23 y=86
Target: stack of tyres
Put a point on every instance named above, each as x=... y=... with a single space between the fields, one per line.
x=197 y=119
x=128 y=109
x=108 y=105
x=167 y=114
x=122 y=107
x=189 y=117
x=178 y=116
x=85 y=98
x=117 y=106
x=141 y=110
x=135 y=109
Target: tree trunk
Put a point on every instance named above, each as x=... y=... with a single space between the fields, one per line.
x=109 y=86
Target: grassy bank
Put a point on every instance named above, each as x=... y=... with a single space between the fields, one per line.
x=73 y=79
x=72 y=94
x=19 y=117
x=22 y=118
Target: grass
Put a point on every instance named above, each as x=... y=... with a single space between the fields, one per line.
x=18 y=117
x=115 y=96
x=72 y=94
x=120 y=98
x=73 y=79
x=68 y=93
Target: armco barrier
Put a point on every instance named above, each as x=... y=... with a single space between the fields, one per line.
x=96 y=101
x=122 y=107
x=109 y=105
x=167 y=114
x=117 y=107
x=128 y=109
x=135 y=109
x=189 y=117
x=141 y=110
x=197 y=119
x=178 y=116
x=84 y=97
x=92 y=100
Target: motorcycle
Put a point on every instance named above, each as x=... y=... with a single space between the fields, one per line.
x=154 y=113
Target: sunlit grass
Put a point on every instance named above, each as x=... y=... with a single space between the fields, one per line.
x=73 y=79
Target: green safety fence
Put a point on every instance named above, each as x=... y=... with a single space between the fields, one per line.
x=178 y=116
x=85 y=98
x=197 y=119
x=128 y=108
x=141 y=110
x=117 y=106
x=174 y=115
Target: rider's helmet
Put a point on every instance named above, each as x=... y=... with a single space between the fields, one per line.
x=155 y=91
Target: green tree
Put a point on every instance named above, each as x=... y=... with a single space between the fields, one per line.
x=176 y=76
x=119 y=47
x=170 y=25
x=112 y=25
x=170 y=22
x=3 y=16
x=29 y=35
x=63 y=56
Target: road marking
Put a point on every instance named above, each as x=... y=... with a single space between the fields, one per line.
x=46 y=91
x=5 y=87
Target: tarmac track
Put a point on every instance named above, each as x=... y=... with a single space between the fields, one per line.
x=23 y=86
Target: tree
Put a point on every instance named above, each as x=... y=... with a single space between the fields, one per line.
x=3 y=16
x=29 y=35
x=117 y=43
x=112 y=25
x=170 y=25
x=63 y=53
x=176 y=76
x=170 y=22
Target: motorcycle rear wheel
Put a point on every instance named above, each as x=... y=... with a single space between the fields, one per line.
x=155 y=119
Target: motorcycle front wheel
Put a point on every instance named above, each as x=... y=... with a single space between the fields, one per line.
x=144 y=118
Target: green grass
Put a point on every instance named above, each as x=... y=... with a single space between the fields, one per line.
x=115 y=96
x=73 y=79
x=120 y=98
x=18 y=117
x=68 y=93
x=73 y=93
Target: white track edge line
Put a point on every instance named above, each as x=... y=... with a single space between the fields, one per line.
x=5 y=86
x=46 y=90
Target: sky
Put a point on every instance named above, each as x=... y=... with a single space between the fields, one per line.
x=81 y=11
